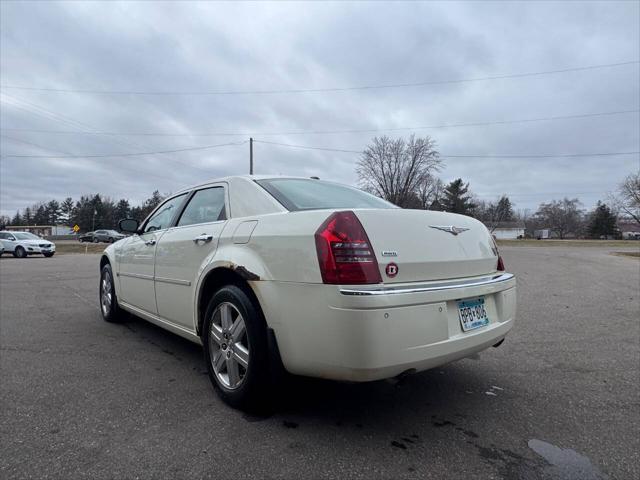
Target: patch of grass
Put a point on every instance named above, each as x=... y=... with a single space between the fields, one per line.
x=64 y=248
x=627 y=254
x=528 y=242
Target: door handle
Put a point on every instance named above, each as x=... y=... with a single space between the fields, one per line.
x=150 y=242
x=204 y=238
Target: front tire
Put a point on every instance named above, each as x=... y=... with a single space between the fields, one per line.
x=48 y=255
x=20 y=252
x=95 y=240
x=234 y=336
x=109 y=308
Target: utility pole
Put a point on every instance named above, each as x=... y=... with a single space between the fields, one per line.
x=250 y=156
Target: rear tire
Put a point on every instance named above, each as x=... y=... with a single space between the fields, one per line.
x=110 y=240
x=109 y=308
x=95 y=240
x=20 y=252
x=234 y=336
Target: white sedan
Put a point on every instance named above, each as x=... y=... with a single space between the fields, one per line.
x=22 y=244
x=315 y=278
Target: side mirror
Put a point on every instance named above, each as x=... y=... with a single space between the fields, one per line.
x=129 y=225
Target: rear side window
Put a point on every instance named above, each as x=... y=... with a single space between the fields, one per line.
x=204 y=207
x=302 y=194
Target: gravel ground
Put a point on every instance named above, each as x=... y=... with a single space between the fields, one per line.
x=559 y=399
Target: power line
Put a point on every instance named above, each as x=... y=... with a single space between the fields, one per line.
x=128 y=168
x=320 y=90
x=33 y=144
x=324 y=132
x=545 y=155
x=134 y=154
x=326 y=149
x=306 y=147
x=32 y=108
x=536 y=194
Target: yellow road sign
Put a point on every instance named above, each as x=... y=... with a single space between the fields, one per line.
x=76 y=228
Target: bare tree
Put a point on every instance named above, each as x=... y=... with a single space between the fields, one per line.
x=397 y=170
x=629 y=196
x=430 y=192
x=561 y=216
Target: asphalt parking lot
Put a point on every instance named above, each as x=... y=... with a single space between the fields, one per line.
x=81 y=398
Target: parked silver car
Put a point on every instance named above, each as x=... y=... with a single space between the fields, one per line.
x=108 y=236
x=22 y=244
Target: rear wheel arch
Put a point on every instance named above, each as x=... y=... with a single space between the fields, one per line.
x=214 y=281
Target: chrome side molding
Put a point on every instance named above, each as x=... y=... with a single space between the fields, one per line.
x=427 y=286
x=175 y=281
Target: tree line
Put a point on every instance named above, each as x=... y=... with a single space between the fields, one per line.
x=90 y=212
x=405 y=172
x=402 y=171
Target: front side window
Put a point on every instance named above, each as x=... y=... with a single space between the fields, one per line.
x=204 y=207
x=302 y=194
x=162 y=217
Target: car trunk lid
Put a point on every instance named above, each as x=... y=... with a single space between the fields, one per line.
x=427 y=245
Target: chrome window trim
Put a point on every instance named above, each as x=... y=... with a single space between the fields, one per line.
x=427 y=287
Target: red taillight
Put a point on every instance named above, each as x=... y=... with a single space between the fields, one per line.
x=345 y=254
x=500 y=264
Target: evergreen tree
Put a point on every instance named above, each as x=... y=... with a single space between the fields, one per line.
x=66 y=210
x=504 y=209
x=122 y=210
x=602 y=222
x=457 y=199
x=53 y=212
x=17 y=219
x=40 y=215
x=27 y=217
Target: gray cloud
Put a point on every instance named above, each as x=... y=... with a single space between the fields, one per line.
x=261 y=46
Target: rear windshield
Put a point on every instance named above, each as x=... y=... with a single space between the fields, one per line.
x=302 y=194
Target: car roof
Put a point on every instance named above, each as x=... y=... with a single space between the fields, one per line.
x=234 y=178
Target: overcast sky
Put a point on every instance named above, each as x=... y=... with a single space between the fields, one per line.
x=224 y=47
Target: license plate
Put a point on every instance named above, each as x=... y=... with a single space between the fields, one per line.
x=472 y=314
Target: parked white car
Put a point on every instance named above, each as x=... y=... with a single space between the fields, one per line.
x=22 y=244
x=315 y=277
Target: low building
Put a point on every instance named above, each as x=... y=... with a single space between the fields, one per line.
x=629 y=229
x=507 y=230
x=542 y=234
x=41 y=230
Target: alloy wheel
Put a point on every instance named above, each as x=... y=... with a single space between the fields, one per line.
x=106 y=296
x=229 y=346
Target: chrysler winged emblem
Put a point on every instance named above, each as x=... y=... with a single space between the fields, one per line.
x=449 y=228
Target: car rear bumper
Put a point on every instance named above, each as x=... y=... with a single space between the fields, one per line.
x=374 y=332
